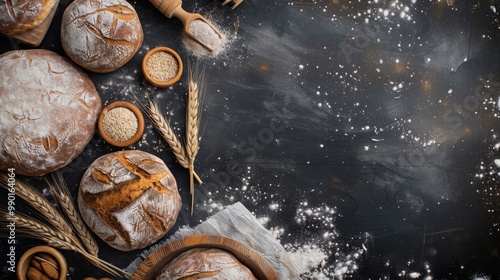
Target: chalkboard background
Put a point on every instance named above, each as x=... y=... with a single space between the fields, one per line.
x=367 y=130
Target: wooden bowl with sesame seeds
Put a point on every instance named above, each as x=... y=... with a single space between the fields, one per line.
x=120 y=124
x=162 y=67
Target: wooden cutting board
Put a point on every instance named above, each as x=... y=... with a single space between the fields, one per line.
x=34 y=37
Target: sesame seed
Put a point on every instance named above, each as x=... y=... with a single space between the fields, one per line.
x=120 y=124
x=162 y=66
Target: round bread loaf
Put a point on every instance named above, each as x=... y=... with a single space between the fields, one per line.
x=129 y=199
x=207 y=264
x=17 y=16
x=49 y=111
x=101 y=36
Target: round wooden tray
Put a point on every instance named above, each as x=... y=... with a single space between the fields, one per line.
x=153 y=264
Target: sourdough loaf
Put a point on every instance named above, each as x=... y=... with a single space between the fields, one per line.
x=101 y=36
x=129 y=199
x=49 y=110
x=17 y=16
x=207 y=264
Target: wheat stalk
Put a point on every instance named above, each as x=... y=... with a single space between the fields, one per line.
x=167 y=133
x=33 y=227
x=193 y=116
x=31 y=196
x=36 y=229
x=61 y=192
x=103 y=265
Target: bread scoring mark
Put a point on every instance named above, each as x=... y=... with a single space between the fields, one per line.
x=155 y=220
x=50 y=143
x=98 y=33
x=101 y=177
x=107 y=202
x=52 y=71
x=120 y=12
x=114 y=25
x=25 y=116
x=19 y=118
x=84 y=104
x=110 y=238
x=10 y=9
x=78 y=97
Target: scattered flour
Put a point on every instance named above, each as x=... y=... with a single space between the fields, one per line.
x=307 y=257
x=321 y=255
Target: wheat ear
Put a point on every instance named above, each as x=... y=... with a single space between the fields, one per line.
x=61 y=192
x=193 y=115
x=166 y=131
x=36 y=200
x=33 y=227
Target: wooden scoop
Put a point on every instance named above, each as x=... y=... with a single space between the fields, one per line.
x=172 y=8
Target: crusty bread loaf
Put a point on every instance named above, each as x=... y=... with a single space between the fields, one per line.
x=17 y=16
x=129 y=199
x=101 y=36
x=205 y=263
x=49 y=110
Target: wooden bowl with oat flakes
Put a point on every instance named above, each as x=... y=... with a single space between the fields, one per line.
x=162 y=67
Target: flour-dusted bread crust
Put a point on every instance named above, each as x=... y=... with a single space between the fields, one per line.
x=17 y=16
x=49 y=111
x=129 y=199
x=206 y=264
x=101 y=35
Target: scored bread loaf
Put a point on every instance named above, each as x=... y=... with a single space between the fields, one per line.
x=17 y=16
x=101 y=36
x=49 y=110
x=129 y=199
x=205 y=263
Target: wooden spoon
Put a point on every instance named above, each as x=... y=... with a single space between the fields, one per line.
x=173 y=8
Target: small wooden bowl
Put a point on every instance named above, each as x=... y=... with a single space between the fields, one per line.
x=140 y=127
x=24 y=262
x=164 y=254
x=160 y=83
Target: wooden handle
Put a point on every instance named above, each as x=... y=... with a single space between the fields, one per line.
x=166 y=7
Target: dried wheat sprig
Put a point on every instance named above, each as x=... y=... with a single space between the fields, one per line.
x=62 y=194
x=38 y=230
x=193 y=117
x=166 y=131
x=32 y=226
x=101 y=264
x=36 y=200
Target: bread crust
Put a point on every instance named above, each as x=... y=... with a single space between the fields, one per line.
x=205 y=263
x=129 y=199
x=101 y=36
x=51 y=107
x=17 y=16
